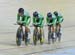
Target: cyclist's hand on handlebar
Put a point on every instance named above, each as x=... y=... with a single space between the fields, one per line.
x=35 y=23
x=19 y=21
x=49 y=24
x=57 y=22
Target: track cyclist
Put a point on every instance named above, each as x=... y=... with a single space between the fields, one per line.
x=51 y=23
x=23 y=19
x=60 y=19
x=38 y=22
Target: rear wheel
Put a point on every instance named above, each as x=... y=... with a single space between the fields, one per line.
x=41 y=40
x=51 y=36
x=26 y=38
x=58 y=35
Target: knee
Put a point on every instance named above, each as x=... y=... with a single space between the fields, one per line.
x=27 y=29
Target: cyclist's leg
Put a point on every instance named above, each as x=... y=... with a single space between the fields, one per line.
x=21 y=26
x=58 y=31
x=20 y=29
x=40 y=35
x=35 y=30
x=26 y=34
x=58 y=27
x=52 y=30
x=53 y=33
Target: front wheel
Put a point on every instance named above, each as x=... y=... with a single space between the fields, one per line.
x=18 y=41
x=19 y=36
x=34 y=40
x=35 y=37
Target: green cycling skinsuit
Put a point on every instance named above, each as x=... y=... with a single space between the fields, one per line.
x=51 y=21
x=39 y=22
x=59 y=21
x=24 y=21
x=59 y=18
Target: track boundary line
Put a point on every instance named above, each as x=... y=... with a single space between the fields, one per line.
x=49 y=50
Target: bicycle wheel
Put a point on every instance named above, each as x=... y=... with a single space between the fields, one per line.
x=58 y=35
x=53 y=37
x=19 y=36
x=49 y=37
x=26 y=38
x=41 y=37
x=35 y=37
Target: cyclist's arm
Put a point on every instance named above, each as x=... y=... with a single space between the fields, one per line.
x=28 y=20
x=25 y=19
x=47 y=20
x=54 y=21
x=42 y=22
x=61 y=19
x=18 y=17
x=34 y=20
